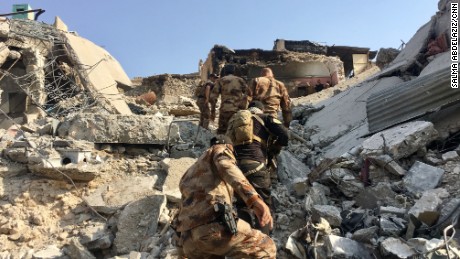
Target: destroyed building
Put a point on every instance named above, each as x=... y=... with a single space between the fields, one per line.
x=298 y=64
x=84 y=175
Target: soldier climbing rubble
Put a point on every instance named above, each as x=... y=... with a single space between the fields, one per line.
x=203 y=94
x=273 y=94
x=234 y=96
x=254 y=136
x=206 y=221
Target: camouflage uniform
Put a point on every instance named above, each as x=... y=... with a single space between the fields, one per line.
x=202 y=235
x=234 y=91
x=274 y=95
x=252 y=161
x=203 y=104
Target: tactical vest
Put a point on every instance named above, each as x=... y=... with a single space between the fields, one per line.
x=240 y=128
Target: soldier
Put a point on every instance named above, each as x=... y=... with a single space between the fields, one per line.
x=234 y=97
x=273 y=94
x=252 y=156
x=203 y=100
x=206 y=222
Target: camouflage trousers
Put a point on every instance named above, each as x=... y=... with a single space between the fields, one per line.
x=205 y=113
x=224 y=118
x=214 y=241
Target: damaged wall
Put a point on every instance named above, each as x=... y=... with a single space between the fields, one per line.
x=295 y=69
x=348 y=55
x=170 y=85
x=40 y=74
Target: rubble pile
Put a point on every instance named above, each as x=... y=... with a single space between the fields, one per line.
x=101 y=180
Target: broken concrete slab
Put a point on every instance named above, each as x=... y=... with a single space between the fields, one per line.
x=290 y=167
x=440 y=61
x=340 y=247
x=423 y=245
x=112 y=196
x=400 y=141
x=103 y=75
x=422 y=177
x=393 y=247
x=54 y=169
x=138 y=220
x=329 y=213
x=317 y=195
x=350 y=112
x=391 y=226
x=128 y=129
x=409 y=54
x=451 y=156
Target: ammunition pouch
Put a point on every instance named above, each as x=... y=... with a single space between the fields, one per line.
x=226 y=217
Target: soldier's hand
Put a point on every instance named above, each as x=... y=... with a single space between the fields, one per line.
x=263 y=213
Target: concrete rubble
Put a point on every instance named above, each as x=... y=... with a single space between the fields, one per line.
x=95 y=174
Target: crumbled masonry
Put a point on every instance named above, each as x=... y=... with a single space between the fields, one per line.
x=91 y=160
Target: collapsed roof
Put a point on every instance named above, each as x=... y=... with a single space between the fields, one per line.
x=45 y=69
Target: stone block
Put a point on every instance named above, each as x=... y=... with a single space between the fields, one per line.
x=345 y=248
x=329 y=213
x=429 y=202
x=422 y=177
x=451 y=156
x=395 y=248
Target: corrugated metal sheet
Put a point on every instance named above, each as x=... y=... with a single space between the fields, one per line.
x=410 y=100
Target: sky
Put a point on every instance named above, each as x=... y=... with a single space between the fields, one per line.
x=151 y=37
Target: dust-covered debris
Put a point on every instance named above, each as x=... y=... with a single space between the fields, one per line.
x=104 y=185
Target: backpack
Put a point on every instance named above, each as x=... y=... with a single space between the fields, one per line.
x=240 y=128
